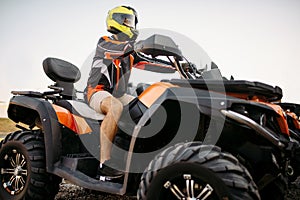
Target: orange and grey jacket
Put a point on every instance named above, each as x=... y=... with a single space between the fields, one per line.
x=111 y=69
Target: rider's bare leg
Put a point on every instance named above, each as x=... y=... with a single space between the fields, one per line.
x=112 y=108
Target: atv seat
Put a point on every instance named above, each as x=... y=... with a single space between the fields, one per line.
x=81 y=109
x=64 y=74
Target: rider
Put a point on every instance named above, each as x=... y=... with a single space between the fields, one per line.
x=109 y=76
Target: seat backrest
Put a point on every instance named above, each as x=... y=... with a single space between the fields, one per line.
x=63 y=73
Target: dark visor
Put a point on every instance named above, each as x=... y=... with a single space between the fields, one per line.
x=124 y=19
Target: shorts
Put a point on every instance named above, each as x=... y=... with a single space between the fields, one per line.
x=98 y=97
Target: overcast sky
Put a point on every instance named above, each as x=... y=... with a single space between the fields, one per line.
x=254 y=40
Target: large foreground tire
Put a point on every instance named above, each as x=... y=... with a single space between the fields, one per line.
x=23 y=168
x=195 y=171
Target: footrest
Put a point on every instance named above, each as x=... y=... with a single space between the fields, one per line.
x=87 y=165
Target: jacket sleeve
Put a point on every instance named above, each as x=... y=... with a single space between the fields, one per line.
x=154 y=65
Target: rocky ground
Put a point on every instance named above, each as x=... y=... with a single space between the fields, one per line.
x=72 y=192
x=293 y=193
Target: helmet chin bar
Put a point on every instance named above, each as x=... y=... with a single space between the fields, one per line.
x=135 y=34
x=123 y=36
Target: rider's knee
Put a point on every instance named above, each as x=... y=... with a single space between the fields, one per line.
x=117 y=105
x=112 y=104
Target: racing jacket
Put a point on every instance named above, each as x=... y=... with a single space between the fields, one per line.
x=112 y=65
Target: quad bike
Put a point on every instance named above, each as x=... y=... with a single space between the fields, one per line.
x=197 y=137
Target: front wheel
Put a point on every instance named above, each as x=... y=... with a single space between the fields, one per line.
x=23 y=168
x=195 y=171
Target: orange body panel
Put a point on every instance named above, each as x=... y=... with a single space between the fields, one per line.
x=295 y=119
x=247 y=97
x=153 y=92
x=73 y=122
x=81 y=125
x=281 y=119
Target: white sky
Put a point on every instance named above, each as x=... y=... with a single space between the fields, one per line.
x=254 y=40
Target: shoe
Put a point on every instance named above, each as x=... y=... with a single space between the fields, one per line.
x=106 y=173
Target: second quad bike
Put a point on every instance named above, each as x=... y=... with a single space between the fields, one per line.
x=199 y=136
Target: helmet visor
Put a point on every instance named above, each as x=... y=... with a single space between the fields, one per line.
x=124 y=19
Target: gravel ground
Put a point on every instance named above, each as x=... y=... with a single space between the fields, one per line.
x=294 y=192
x=71 y=192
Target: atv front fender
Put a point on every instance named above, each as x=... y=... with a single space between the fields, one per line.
x=35 y=111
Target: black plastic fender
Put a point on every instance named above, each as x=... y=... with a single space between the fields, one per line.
x=26 y=110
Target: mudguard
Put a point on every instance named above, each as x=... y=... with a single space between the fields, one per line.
x=27 y=110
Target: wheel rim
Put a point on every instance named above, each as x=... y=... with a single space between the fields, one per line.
x=188 y=188
x=14 y=171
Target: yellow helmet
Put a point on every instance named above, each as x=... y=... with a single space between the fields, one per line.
x=122 y=19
